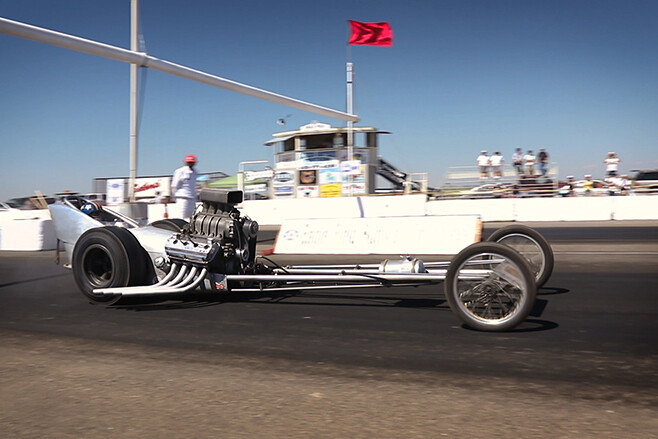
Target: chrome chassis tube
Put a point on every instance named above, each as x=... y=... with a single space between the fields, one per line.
x=186 y=277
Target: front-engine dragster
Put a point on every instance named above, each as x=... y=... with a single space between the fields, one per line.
x=489 y=285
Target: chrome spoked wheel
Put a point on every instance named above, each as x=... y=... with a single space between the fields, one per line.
x=490 y=287
x=532 y=246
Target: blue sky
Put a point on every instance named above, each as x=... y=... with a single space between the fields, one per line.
x=579 y=78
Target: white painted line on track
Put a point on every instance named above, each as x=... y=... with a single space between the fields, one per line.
x=591 y=252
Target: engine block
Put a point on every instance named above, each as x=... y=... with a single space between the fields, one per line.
x=218 y=237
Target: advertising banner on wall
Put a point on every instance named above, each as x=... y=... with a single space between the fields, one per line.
x=308 y=191
x=330 y=182
x=351 y=168
x=260 y=188
x=330 y=190
x=354 y=188
x=330 y=175
x=265 y=174
x=354 y=181
x=284 y=191
x=283 y=178
x=152 y=187
x=283 y=183
x=317 y=160
x=115 y=191
x=308 y=177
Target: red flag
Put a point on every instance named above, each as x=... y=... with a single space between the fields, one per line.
x=371 y=34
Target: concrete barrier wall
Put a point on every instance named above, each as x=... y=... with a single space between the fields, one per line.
x=274 y=212
x=27 y=230
x=629 y=208
x=564 y=209
x=489 y=210
x=551 y=209
x=33 y=229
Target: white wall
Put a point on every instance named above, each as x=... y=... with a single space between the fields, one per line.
x=27 y=230
x=33 y=230
x=274 y=212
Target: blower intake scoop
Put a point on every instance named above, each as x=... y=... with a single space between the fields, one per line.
x=218 y=236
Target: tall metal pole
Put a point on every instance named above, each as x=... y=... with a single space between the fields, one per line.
x=350 y=124
x=134 y=33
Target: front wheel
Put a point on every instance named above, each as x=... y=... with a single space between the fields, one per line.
x=490 y=287
x=531 y=245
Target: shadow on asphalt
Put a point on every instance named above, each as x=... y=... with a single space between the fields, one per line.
x=201 y=300
x=528 y=325
x=551 y=291
x=198 y=300
x=34 y=279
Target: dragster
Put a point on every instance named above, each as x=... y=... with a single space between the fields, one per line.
x=489 y=286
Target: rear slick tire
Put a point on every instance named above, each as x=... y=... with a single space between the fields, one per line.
x=108 y=257
x=490 y=287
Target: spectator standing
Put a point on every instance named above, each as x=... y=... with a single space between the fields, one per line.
x=542 y=161
x=588 y=184
x=183 y=187
x=568 y=188
x=483 y=162
x=517 y=160
x=496 y=161
x=613 y=185
x=529 y=163
x=612 y=164
x=625 y=185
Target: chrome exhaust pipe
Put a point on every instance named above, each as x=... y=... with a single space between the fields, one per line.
x=177 y=281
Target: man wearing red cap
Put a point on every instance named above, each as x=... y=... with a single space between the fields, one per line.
x=183 y=187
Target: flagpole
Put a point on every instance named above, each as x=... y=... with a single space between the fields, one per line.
x=349 y=109
x=349 y=69
x=350 y=124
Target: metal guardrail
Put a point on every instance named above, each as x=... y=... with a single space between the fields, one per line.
x=466 y=182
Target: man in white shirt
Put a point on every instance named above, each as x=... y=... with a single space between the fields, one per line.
x=529 y=163
x=612 y=164
x=483 y=165
x=496 y=165
x=517 y=159
x=183 y=187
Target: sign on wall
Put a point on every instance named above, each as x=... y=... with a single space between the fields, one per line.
x=152 y=187
x=115 y=191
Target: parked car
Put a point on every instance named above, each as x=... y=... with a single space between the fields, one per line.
x=29 y=203
x=645 y=181
x=4 y=207
x=490 y=190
